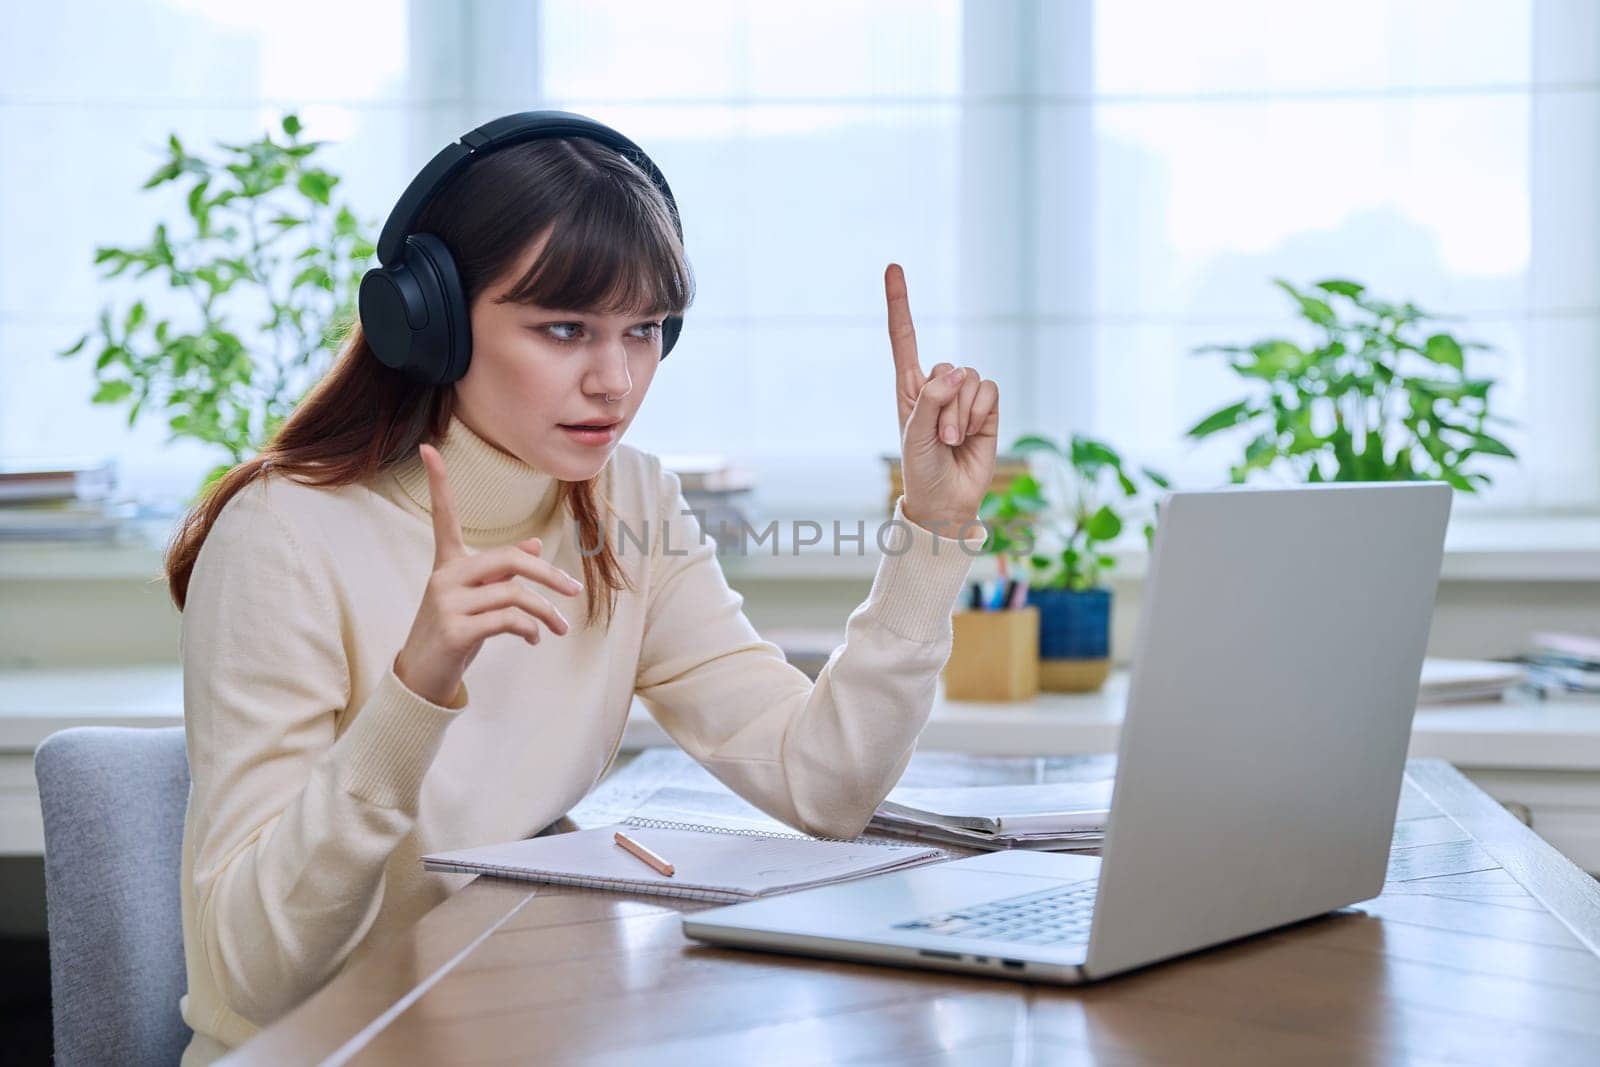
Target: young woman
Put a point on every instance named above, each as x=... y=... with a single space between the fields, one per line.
x=411 y=624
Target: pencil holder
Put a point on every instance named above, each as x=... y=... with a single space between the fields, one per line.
x=994 y=655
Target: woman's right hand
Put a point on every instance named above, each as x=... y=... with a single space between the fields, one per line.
x=471 y=597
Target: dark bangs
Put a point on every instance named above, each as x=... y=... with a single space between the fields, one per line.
x=612 y=249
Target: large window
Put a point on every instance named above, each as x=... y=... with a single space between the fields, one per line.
x=1081 y=193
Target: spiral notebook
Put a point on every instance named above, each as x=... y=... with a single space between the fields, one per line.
x=710 y=862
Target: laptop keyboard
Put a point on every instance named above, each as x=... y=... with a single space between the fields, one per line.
x=1054 y=916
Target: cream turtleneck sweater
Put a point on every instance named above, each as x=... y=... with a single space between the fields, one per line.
x=320 y=779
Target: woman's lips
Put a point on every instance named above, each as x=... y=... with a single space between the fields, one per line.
x=603 y=435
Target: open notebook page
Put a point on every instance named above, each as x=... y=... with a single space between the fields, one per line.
x=707 y=864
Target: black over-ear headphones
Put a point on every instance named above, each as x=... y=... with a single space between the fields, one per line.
x=413 y=310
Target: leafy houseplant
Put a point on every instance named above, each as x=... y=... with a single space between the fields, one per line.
x=268 y=254
x=1380 y=396
x=1089 y=482
x=1060 y=536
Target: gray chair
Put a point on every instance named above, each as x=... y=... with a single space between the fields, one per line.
x=113 y=800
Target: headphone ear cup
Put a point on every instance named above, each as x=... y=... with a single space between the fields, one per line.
x=671 y=327
x=447 y=341
x=393 y=310
x=414 y=313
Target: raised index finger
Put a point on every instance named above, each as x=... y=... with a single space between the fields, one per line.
x=902 y=335
x=448 y=544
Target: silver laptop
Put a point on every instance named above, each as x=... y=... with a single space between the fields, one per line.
x=1276 y=669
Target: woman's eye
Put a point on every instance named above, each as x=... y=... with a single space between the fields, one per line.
x=569 y=332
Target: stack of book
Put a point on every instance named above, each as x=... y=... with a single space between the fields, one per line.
x=1055 y=817
x=1563 y=664
x=59 y=500
x=717 y=491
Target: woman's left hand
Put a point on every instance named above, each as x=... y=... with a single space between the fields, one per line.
x=949 y=426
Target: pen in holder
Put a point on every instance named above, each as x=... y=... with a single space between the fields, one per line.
x=994 y=655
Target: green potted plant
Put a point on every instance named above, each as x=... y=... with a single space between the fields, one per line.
x=270 y=264
x=1378 y=396
x=1058 y=538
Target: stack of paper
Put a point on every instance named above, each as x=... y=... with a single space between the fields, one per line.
x=1058 y=817
x=1446 y=681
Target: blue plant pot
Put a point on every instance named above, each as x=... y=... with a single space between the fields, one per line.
x=1074 y=638
x=1073 y=624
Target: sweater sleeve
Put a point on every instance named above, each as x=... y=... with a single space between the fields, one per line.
x=819 y=756
x=291 y=821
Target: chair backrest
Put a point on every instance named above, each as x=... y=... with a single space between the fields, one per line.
x=113 y=800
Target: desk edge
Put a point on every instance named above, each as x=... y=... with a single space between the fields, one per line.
x=1569 y=894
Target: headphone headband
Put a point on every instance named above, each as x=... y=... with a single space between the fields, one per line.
x=499 y=133
x=412 y=305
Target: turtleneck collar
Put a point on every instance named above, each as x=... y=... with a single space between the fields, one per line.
x=498 y=497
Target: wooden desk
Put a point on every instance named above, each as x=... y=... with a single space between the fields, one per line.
x=1483 y=948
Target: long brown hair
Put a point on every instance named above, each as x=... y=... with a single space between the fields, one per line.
x=612 y=247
